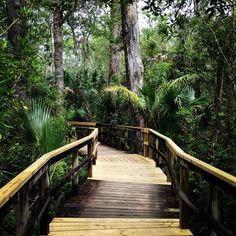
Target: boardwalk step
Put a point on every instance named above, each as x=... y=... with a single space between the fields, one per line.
x=115 y=227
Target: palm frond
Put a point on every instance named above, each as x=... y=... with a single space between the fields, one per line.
x=52 y=136
x=148 y=96
x=118 y=90
x=184 y=81
x=37 y=130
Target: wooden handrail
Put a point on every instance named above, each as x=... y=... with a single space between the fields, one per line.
x=224 y=176
x=15 y=194
x=180 y=166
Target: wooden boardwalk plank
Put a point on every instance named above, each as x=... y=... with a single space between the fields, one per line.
x=127 y=195
x=115 y=165
x=99 y=198
x=116 y=227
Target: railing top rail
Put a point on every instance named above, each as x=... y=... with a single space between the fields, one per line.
x=13 y=186
x=211 y=170
x=226 y=177
x=94 y=124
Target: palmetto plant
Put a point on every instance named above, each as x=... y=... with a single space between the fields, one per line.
x=165 y=103
x=160 y=103
x=37 y=129
x=121 y=93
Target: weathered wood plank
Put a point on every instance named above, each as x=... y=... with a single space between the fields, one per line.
x=120 y=166
x=123 y=185
x=111 y=226
x=125 y=192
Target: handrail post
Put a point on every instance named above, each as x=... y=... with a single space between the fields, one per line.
x=119 y=137
x=43 y=192
x=215 y=204
x=184 y=187
x=90 y=152
x=146 y=142
x=170 y=160
x=150 y=147
x=96 y=153
x=22 y=211
x=75 y=178
x=126 y=141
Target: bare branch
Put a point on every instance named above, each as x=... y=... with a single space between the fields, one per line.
x=5 y=31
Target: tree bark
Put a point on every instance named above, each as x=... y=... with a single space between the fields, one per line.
x=217 y=104
x=58 y=56
x=85 y=52
x=115 y=52
x=130 y=31
x=17 y=29
x=16 y=23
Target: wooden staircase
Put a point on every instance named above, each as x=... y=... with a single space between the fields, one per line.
x=127 y=195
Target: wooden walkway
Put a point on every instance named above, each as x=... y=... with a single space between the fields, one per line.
x=127 y=195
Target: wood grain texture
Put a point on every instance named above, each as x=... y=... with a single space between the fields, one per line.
x=99 y=198
x=115 y=227
x=123 y=185
x=115 y=165
x=127 y=195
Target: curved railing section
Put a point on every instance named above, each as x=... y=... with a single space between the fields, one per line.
x=181 y=169
x=30 y=192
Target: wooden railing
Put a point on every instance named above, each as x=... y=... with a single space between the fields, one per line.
x=180 y=168
x=32 y=209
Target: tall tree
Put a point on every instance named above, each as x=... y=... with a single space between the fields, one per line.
x=130 y=31
x=16 y=23
x=17 y=30
x=57 y=35
x=115 y=48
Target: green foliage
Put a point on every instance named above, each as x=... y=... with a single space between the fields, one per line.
x=120 y=93
x=37 y=129
x=185 y=52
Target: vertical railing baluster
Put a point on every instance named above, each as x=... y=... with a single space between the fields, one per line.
x=126 y=146
x=22 y=211
x=75 y=177
x=157 y=157
x=215 y=204
x=150 y=149
x=145 y=142
x=94 y=145
x=44 y=196
x=168 y=156
x=184 y=187
x=119 y=136
x=90 y=152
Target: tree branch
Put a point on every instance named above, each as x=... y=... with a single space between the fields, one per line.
x=5 y=31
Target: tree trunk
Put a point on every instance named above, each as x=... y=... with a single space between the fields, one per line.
x=85 y=52
x=16 y=23
x=17 y=30
x=58 y=57
x=130 y=31
x=115 y=53
x=217 y=104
